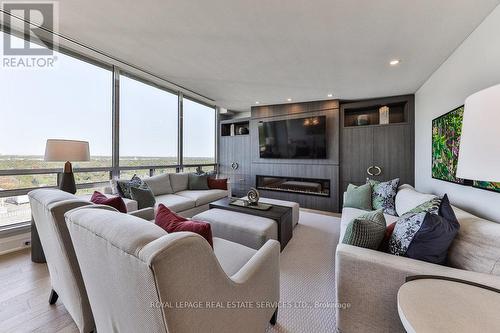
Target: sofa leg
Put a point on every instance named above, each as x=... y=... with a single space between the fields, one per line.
x=53 y=297
x=274 y=318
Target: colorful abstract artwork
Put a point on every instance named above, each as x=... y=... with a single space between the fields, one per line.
x=487 y=185
x=446 y=132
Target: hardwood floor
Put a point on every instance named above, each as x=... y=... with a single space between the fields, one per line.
x=24 y=298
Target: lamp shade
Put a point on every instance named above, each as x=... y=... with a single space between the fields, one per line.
x=479 y=154
x=66 y=150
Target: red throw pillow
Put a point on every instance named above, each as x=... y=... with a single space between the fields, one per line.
x=115 y=202
x=171 y=222
x=384 y=246
x=217 y=184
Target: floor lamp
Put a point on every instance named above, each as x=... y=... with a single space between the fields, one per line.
x=66 y=151
x=479 y=154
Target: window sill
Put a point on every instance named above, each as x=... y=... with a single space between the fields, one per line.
x=15 y=229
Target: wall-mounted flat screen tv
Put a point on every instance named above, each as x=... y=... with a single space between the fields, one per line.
x=303 y=138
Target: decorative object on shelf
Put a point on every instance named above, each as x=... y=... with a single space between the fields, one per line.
x=253 y=196
x=362 y=120
x=242 y=130
x=479 y=144
x=384 y=115
x=65 y=151
x=231 y=130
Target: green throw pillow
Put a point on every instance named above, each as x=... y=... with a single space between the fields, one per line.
x=198 y=181
x=366 y=231
x=144 y=197
x=359 y=197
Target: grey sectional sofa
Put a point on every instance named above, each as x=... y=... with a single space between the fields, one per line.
x=369 y=280
x=172 y=190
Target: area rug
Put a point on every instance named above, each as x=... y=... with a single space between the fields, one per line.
x=307 y=267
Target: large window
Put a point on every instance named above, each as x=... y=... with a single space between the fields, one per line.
x=148 y=124
x=74 y=100
x=199 y=133
x=70 y=101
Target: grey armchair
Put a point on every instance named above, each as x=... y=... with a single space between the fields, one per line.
x=48 y=207
x=141 y=279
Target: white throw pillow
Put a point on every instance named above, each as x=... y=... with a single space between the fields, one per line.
x=408 y=198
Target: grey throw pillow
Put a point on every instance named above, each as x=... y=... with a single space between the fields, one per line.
x=384 y=195
x=198 y=182
x=144 y=197
x=366 y=231
x=358 y=197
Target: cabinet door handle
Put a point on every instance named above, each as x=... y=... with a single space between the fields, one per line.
x=379 y=170
x=368 y=171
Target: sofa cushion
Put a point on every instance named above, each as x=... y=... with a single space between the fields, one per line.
x=384 y=194
x=171 y=222
x=408 y=198
x=202 y=197
x=159 y=184
x=432 y=240
x=366 y=231
x=409 y=224
x=358 y=197
x=476 y=246
x=175 y=202
x=179 y=181
x=144 y=197
x=231 y=256
x=113 y=201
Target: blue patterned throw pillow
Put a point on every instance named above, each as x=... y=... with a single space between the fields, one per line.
x=125 y=185
x=384 y=195
x=409 y=224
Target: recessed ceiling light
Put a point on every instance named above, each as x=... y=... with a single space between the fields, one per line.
x=330 y=95
x=289 y=99
x=257 y=102
x=394 y=62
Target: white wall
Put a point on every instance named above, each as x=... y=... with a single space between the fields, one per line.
x=475 y=65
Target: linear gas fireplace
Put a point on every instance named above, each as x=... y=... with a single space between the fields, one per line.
x=308 y=186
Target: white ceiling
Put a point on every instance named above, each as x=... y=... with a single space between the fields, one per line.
x=239 y=52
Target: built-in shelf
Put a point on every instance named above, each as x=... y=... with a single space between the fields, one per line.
x=370 y=115
x=235 y=128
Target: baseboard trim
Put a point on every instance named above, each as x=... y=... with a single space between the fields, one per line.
x=15 y=243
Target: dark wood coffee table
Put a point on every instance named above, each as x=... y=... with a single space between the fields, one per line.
x=281 y=215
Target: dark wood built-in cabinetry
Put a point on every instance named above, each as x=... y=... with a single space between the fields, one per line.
x=374 y=150
x=234 y=161
x=357 y=148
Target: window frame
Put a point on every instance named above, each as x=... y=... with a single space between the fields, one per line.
x=116 y=67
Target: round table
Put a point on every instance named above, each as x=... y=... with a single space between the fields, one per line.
x=441 y=305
